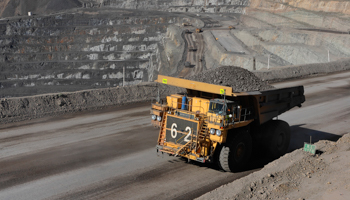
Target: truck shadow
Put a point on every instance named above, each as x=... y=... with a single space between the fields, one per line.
x=299 y=135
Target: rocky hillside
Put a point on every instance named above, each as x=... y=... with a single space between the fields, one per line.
x=9 y=8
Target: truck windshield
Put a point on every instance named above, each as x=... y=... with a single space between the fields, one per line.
x=216 y=107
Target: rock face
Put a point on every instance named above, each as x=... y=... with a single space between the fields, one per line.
x=312 y=5
x=21 y=7
x=74 y=51
x=207 y=6
x=241 y=80
x=10 y=8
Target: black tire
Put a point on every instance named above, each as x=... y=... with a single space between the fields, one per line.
x=236 y=153
x=278 y=139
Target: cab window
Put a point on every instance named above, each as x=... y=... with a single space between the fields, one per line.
x=216 y=107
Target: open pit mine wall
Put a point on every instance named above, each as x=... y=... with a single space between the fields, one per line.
x=208 y=6
x=69 y=52
x=224 y=6
x=312 y=5
x=313 y=14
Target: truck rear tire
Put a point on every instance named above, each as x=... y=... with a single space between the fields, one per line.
x=235 y=154
x=278 y=140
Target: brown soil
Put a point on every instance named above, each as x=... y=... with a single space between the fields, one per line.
x=297 y=175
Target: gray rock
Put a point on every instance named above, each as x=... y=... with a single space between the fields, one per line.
x=241 y=80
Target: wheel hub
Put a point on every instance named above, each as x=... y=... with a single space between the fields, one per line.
x=280 y=140
x=239 y=152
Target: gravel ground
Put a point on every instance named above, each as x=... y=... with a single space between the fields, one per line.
x=297 y=175
x=241 y=80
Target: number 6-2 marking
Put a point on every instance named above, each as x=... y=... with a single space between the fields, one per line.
x=174 y=132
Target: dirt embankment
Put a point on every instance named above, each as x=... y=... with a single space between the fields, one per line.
x=24 y=108
x=297 y=175
x=301 y=71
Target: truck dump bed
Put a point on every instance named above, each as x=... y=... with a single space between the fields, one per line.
x=277 y=101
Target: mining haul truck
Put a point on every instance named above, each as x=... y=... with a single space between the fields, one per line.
x=213 y=123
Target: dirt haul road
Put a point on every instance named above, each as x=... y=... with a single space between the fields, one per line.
x=111 y=154
x=195 y=53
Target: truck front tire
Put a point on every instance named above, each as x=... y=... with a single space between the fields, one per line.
x=236 y=153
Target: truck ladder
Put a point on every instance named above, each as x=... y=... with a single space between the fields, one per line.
x=202 y=134
x=162 y=132
x=204 y=129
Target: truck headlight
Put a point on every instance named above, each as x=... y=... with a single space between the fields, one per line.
x=212 y=131
x=154 y=117
x=218 y=132
x=159 y=118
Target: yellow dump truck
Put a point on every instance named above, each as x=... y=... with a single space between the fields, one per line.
x=212 y=123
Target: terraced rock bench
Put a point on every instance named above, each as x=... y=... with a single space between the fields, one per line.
x=81 y=50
